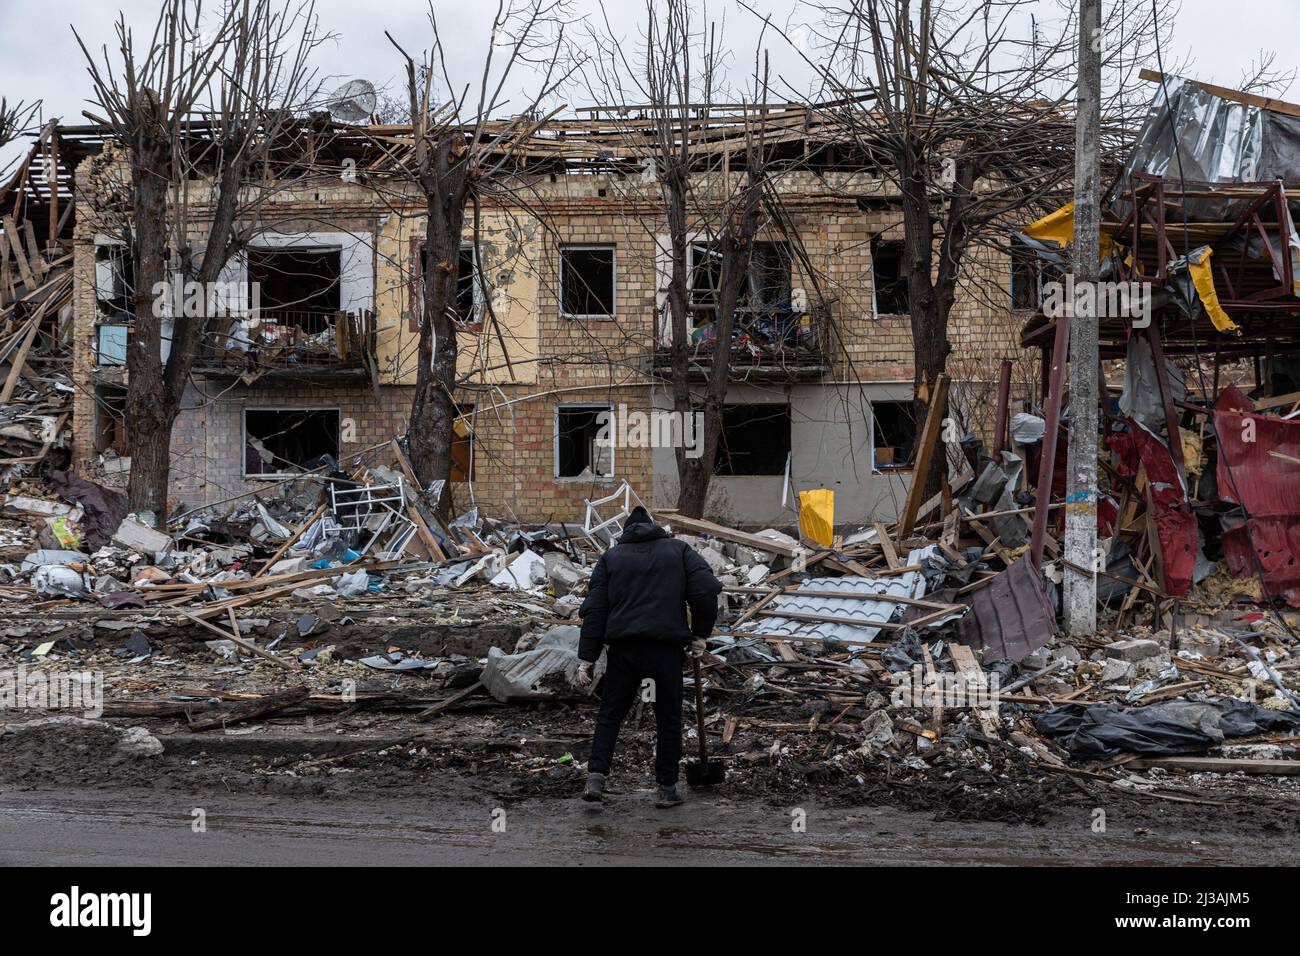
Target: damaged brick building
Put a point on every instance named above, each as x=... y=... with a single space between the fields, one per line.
x=321 y=360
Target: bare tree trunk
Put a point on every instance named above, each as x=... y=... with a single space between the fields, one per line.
x=739 y=226
x=929 y=308
x=433 y=410
x=676 y=185
x=150 y=408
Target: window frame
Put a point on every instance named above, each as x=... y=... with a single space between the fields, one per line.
x=892 y=467
x=789 y=408
x=876 y=242
x=415 y=289
x=1021 y=253
x=555 y=441
x=243 y=433
x=467 y=412
x=612 y=248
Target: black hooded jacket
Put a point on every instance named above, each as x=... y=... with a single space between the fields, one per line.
x=641 y=587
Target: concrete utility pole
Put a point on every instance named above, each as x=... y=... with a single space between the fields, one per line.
x=1080 y=588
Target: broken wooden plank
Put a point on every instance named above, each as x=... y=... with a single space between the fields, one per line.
x=886 y=544
x=757 y=542
x=240 y=642
x=292 y=539
x=455 y=698
x=20 y=256
x=929 y=442
x=251 y=710
x=20 y=357
x=1219 y=765
x=963 y=658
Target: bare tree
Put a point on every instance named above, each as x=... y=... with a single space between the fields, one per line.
x=206 y=112
x=967 y=109
x=667 y=106
x=15 y=120
x=460 y=157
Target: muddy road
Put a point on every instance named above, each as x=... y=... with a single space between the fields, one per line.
x=143 y=827
x=501 y=787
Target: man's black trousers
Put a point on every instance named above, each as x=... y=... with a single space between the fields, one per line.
x=627 y=663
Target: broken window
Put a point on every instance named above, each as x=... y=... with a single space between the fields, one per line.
x=894 y=429
x=110 y=420
x=1026 y=278
x=587 y=281
x=298 y=286
x=114 y=281
x=462 y=444
x=706 y=273
x=888 y=278
x=769 y=275
x=755 y=440
x=767 y=283
x=577 y=452
x=280 y=441
x=469 y=290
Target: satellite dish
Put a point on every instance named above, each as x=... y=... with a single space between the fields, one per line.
x=353 y=102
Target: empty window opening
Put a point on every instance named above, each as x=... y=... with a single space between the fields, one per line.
x=706 y=274
x=110 y=420
x=769 y=276
x=114 y=281
x=767 y=283
x=755 y=440
x=467 y=288
x=468 y=306
x=895 y=434
x=578 y=454
x=280 y=441
x=462 y=444
x=889 y=278
x=298 y=286
x=587 y=281
x=1026 y=278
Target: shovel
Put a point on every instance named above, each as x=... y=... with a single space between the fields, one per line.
x=704 y=772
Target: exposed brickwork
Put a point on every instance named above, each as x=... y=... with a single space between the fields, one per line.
x=555 y=359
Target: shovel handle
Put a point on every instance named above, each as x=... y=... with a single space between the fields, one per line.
x=699 y=710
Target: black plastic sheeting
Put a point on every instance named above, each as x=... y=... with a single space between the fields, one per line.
x=1172 y=727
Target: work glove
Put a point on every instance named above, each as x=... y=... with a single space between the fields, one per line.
x=698 y=647
x=583 y=678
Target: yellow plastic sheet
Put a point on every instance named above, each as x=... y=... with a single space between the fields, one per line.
x=817 y=515
x=1203 y=279
x=1058 y=227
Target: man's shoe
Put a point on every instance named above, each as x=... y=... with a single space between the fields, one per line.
x=594 y=792
x=668 y=797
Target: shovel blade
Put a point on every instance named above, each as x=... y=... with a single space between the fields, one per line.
x=705 y=774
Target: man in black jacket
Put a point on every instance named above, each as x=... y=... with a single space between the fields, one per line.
x=636 y=605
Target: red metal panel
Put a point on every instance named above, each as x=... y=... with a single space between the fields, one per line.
x=1266 y=485
x=1175 y=524
x=1277 y=540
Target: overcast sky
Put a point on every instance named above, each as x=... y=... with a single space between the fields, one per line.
x=39 y=58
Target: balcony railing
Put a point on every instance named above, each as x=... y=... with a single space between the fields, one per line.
x=768 y=340
x=288 y=339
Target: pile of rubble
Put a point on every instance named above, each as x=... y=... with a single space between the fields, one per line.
x=907 y=644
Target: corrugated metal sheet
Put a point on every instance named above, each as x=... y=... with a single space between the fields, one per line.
x=1268 y=486
x=1175 y=522
x=1277 y=540
x=858 y=615
x=1011 y=617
